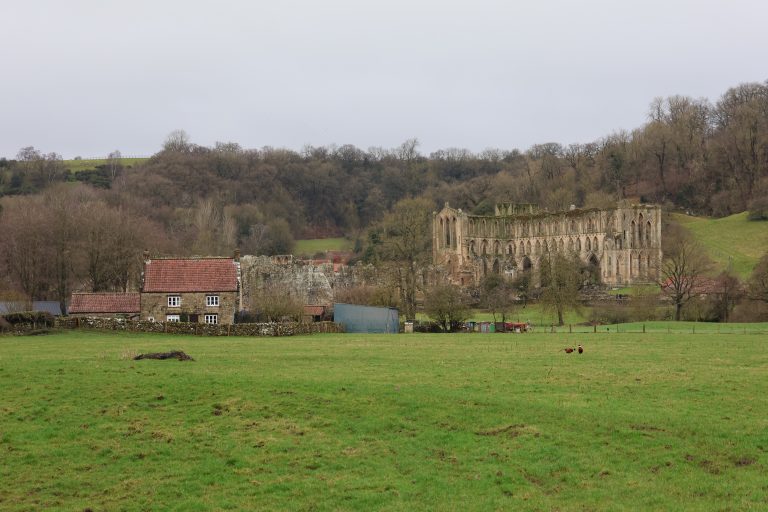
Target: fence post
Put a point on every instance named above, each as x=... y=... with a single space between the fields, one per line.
x=594 y=327
x=643 y=328
x=570 y=328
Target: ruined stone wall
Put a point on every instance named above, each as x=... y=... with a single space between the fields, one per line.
x=309 y=282
x=622 y=243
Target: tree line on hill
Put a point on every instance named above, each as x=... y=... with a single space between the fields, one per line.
x=190 y=199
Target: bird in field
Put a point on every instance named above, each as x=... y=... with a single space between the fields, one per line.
x=581 y=349
x=568 y=350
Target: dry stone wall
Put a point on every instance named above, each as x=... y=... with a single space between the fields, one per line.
x=255 y=329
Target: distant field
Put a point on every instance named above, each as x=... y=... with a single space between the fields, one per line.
x=84 y=165
x=393 y=422
x=532 y=313
x=311 y=247
x=731 y=239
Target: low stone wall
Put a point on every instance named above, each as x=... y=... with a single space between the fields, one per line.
x=259 y=329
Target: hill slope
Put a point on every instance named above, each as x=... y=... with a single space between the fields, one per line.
x=733 y=239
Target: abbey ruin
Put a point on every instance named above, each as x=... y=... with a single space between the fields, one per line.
x=623 y=243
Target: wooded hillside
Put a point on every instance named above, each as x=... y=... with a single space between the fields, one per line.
x=691 y=155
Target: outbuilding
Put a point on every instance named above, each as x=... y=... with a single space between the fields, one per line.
x=357 y=318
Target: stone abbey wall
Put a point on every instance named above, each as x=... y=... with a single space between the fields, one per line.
x=623 y=243
x=311 y=283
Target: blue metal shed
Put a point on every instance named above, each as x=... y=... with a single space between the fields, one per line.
x=372 y=319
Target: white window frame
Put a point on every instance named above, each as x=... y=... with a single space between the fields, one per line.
x=212 y=301
x=211 y=319
x=172 y=318
x=174 y=301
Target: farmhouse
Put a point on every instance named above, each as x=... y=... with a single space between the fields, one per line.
x=105 y=305
x=197 y=290
x=622 y=244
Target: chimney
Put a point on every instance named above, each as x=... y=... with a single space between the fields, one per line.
x=237 y=254
x=146 y=256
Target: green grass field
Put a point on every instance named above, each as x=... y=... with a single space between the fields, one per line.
x=730 y=240
x=89 y=164
x=398 y=422
x=313 y=246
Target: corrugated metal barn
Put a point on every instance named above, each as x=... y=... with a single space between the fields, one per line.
x=371 y=319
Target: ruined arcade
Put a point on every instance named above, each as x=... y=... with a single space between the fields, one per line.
x=623 y=243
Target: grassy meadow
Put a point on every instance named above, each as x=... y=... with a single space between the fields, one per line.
x=388 y=422
x=313 y=246
x=733 y=240
x=89 y=164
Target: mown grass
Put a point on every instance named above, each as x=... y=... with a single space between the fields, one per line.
x=398 y=422
x=733 y=240
x=316 y=245
x=90 y=164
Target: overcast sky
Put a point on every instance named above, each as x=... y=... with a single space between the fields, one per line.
x=87 y=77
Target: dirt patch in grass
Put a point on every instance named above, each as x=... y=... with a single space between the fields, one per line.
x=509 y=430
x=646 y=428
x=744 y=461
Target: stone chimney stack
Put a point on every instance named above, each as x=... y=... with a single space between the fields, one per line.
x=146 y=256
x=237 y=255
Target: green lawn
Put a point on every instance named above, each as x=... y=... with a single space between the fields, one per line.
x=398 y=422
x=312 y=247
x=89 y=164
x=730 y=240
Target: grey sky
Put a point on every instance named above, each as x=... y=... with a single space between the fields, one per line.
x=86 y=77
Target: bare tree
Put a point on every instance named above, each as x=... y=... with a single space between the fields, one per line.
x=113 y=163
x=446 y=305
x=177 y=141
x=685 y=264
x=757 y=286
x=561 y=279
x=404 y=239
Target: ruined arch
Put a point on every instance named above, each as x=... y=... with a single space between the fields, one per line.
x=484 y=248
x=526 y=264
x=570 y=245
x=528 y=247
x=632 y=235
x=640 y=226
x=454 y=233
x=587 y=245
x=496 y=247
x=595 y=245
x=593 y=267
x=496 y=266
x=648 y=234
x=538 y=247
x=472 y=248
x=511 y=249
x=578 y=244
x=560 y=245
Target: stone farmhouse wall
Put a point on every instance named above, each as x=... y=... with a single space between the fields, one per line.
x=622 y=243
x=255 y=329
x=155 y=305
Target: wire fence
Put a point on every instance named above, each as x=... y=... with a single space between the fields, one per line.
x=656 y=328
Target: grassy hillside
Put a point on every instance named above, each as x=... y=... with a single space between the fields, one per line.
x=392 y=422
x=733 y=239
x=311 y=247
x=89 y=164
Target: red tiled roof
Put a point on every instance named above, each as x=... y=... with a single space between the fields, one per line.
x=314 y=310
x=105 y=303
x=190 y=275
